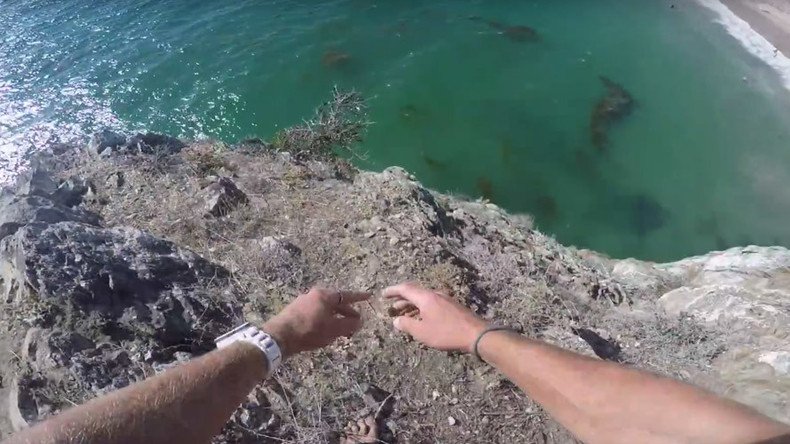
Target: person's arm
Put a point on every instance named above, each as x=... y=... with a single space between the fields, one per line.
x=190 y=403
x=597 y=401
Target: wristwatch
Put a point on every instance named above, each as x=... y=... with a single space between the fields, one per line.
x=253 y=335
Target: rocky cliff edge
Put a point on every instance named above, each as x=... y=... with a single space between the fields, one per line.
x=123 y=258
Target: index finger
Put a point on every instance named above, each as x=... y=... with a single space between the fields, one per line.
x=409 y=291
x=347 y=297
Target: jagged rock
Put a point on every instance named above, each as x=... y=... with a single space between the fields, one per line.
x=36 y=182
x=222 y=196
x=71 y=191
x=615 y=106
x=26 y=209
x=95 y=289
x=149 y=143
x=731 y=304
x=743 y=291
x=26 y=404
x=104 y=307
x=45 y=349
x=743 y=285
x=397 y=189
x=643 y=277
x=124 y=276
x=40 y=181
x=105 y=141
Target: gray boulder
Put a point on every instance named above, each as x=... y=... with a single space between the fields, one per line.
x=150 y=143
x=222 y=196
x=132 y=279
x=71 y=191
x=106 y=140
x=26 y=209
x=744 y=286
x=107 y=143
x=36 y=181
x=107 y=308
x=743 y=291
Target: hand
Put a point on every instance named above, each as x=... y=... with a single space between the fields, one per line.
x=315 y=319
x=434 y=319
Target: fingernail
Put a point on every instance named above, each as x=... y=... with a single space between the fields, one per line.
x=396 y=322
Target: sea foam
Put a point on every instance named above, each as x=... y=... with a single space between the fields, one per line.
x=755 y=43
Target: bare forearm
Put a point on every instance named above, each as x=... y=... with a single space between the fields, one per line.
x=605 y=402
x=188 y=404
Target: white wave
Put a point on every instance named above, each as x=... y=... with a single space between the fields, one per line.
x=31 y=119
x=755 y=43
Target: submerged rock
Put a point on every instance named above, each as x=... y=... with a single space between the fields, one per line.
x=613 y=107
x=485 y=188
x=514 y=33
x=647 y=214
x=434 y=164
x=335 y=59
x=520 y=33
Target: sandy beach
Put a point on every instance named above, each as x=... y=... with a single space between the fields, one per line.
x=770 y=18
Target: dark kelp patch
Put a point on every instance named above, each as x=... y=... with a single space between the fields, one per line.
x=335 y=59
x=514 y=33
x=616 y=105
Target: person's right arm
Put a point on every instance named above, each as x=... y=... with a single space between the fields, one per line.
x=597 y=401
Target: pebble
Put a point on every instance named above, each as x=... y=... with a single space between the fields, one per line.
x=451 y=420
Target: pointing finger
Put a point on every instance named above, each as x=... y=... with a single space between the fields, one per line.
x=402 y=307
x=408 y=325
x=410 y=292
x=347 y=297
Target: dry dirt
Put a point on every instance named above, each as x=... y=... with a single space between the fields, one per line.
x=364 y=231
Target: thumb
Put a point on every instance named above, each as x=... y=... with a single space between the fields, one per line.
x=407 y=324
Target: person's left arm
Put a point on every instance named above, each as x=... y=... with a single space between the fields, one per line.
x=191 y=403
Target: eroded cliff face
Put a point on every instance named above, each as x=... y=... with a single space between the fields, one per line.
x=129 y=256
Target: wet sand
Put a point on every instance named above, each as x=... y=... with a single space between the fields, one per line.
x=770 y=18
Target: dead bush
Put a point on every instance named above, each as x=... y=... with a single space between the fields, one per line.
x=338 y=124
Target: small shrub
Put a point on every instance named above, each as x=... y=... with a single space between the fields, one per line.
x=338 y=124
x=206 y=157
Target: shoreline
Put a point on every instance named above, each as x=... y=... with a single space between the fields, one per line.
x=769 y=18
x=761 y=26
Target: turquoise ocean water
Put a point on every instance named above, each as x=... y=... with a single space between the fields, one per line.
x=461 y=93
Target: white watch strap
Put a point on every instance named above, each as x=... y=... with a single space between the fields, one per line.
x=253 y=335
